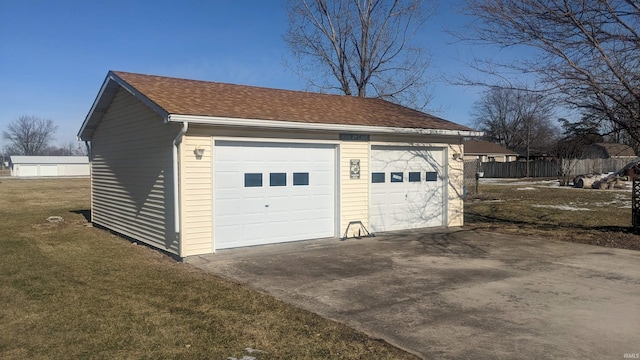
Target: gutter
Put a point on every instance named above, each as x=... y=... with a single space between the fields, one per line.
x=276 y=124
x=176 y=187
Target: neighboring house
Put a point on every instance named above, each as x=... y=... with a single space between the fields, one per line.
x=191 y=167
x=608 y=151
x=486 y=151
x=29 y=166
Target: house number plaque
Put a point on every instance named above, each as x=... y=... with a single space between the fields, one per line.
x=354 y=168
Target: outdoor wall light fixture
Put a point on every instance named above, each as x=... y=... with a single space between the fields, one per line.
x=199 y=152
x=456 y=156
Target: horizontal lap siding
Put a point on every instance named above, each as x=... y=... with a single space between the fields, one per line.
x=455 y=215
x=197 y=196
x=354 y=193
x=132 y=181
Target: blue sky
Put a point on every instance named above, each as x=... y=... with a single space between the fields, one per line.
x=55 y=54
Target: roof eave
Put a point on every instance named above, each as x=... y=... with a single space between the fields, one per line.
x=294 y=125
x=105 y=96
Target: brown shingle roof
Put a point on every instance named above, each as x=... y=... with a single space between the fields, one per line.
x=481 y=147
x=203 y=98
x=612 y=149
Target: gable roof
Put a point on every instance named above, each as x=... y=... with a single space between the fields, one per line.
x=612 y=149
x=482 y=147
x=220 y=103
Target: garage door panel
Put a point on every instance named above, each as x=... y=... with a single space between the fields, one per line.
x=48 y=170
x=269 y=214
x=407 y=204
x=27 y=170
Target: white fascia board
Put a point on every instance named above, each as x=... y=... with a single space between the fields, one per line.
x=93 y=112
x=293 y=125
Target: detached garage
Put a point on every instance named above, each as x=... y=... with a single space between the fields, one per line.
x=192 y=167
x=31 y=166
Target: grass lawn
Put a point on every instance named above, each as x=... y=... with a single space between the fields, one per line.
x=597 y=217
x=68 y=291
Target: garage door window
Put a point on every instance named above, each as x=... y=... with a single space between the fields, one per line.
x=278 y=179
x=432 y=176
x=300 y=179
x=252 y=180
x=414 y=176
x=396 y=177
x=377 y=177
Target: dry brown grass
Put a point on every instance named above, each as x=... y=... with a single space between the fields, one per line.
x=540 y=210
x=72 y=291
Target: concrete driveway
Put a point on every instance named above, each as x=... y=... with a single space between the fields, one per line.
x=455 y=294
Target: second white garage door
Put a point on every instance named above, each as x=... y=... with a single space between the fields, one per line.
x=269 y=193
x=407 y=188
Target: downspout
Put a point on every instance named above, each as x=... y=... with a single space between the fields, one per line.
x=86 y=143
x=176 y=187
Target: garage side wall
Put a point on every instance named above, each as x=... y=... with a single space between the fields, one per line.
x=456 y=181
x=354 y=193
x=197 y=196
x=132 y=173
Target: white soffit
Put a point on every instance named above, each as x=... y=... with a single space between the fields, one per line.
x=275 y=124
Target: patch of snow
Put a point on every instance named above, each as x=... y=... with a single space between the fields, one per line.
x=526 y=188
x=518 y=182
x=621 y=203
x=562 y=207
x=554 y=183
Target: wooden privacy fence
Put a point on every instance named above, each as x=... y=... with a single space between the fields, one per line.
x=470 y=169
x=546 y=168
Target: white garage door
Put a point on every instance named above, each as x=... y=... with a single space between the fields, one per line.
x=48 y=170
x=407 y=188
x=26 y=170
x=36 y=170
x=269 y=193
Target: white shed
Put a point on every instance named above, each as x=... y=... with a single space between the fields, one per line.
x=30 y=166
x=192 y=167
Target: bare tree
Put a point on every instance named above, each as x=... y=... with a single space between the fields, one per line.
x=70 y=148
x=29 y=135
x=519 y=120
x=361 y=47
x=587 y=51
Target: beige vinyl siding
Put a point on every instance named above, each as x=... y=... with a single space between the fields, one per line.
x=413 y=140
x=354 y=193
x=132 y=175
x=197 y=196
x=283 y=135
x=455 y=172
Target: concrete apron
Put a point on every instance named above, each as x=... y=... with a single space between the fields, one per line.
x=454 y=294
